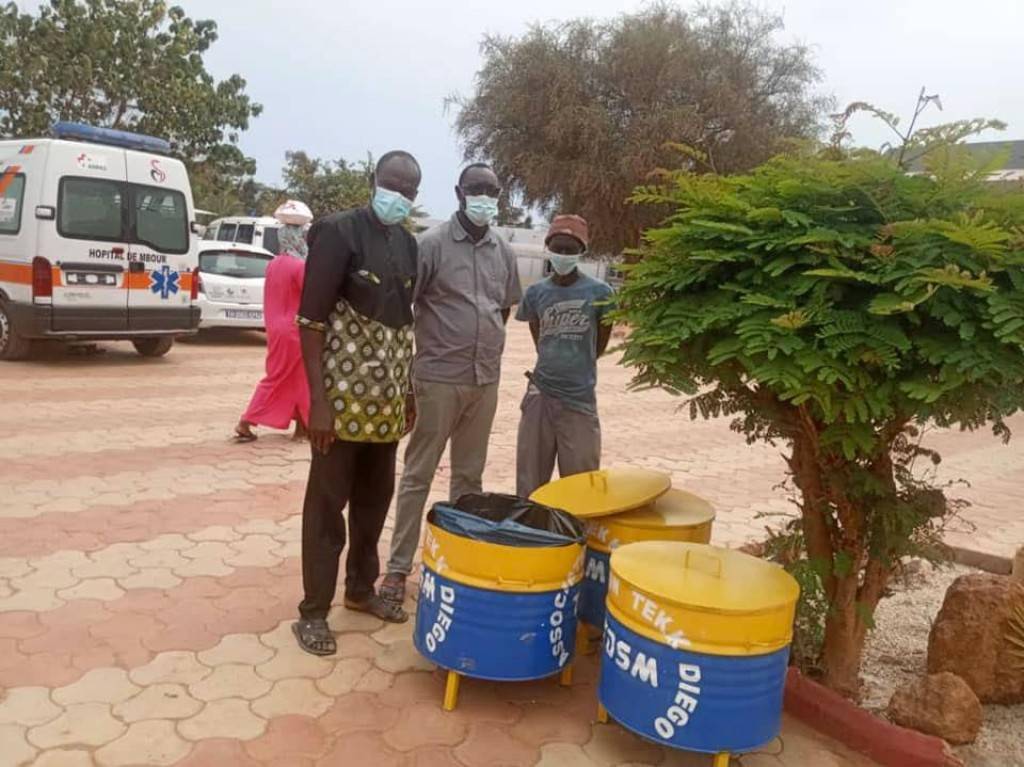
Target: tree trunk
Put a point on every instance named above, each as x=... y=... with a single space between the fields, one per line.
x=844 y=640
x=813 y=506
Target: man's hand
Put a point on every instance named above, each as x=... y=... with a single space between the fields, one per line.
x=321 y=421
x=410 y=413
x=321 y=427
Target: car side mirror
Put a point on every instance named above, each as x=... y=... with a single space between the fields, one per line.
x=46 y=212
x=196 y=227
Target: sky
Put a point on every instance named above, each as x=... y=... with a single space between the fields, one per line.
x=342 y=79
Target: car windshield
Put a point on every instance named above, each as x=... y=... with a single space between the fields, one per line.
x=233 y=263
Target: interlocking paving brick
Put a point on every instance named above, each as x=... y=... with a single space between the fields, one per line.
x=363 y=748
x=13 y=745
x=231 y=718
x=402 y=656
x=489 y=745
x=288 y=737
x=101 y=685
x=611 y=745
x=64 y=757
x=292 y=662
x=150 y=743
x=83 y=724
x=375 y=680
x=237 y=648
x=150 y=578
x=28 y=706
x=158 y=701
x=563 y=755
x=343 y=679
x=171 y=668
x=425 y=724
x=102 y=589
x=292 y=696
x=32 y=600
x=232 y=680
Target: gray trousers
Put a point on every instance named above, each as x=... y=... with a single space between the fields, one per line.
x=548 y=430
x=462 y=414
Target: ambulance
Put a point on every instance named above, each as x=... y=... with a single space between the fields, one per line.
x=97 y=241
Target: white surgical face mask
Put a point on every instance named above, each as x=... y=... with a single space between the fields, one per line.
x=481 y=209
x=563 y=264
x=391 y=207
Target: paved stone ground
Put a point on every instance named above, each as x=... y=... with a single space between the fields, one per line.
x=149 y=571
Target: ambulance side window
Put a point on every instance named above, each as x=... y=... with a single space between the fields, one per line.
x=161 y=220
x=12 y=193
x=91 y=209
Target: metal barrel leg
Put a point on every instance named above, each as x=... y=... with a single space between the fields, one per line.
x=722 y=759
x=602 y=714
x=451 y=691
x=565 y=678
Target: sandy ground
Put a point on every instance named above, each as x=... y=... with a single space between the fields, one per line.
x=897 y=653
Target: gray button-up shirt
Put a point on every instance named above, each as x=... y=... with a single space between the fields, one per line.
x=461 y=290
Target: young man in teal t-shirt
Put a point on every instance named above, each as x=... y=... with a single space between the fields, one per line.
x=566 y=313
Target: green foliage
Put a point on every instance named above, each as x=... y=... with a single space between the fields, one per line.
x=130 y=64
x=844 y=289
x=574 y=115
x=836 y=303
x=327 y=186
x=786 y=547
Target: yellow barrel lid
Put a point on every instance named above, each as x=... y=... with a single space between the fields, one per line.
x=605 y=491
x=701 y=597
x=676 y=508
x=676 y=516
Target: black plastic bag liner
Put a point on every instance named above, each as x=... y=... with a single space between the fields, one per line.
x=507 y=520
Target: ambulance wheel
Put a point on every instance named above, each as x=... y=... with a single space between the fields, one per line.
x=12 y=346
x=153 y=347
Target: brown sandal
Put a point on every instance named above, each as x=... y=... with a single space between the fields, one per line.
x=315 y=637
x=244 y=433
x=380 y=608
x=392 y=588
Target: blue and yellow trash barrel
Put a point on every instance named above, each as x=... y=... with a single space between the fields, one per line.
x=696 y=646
x=675 y=516
x=497 y=612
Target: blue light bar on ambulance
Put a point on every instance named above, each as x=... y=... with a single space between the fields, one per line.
x=80 y=132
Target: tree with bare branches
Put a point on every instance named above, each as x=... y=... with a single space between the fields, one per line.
x=575 y=115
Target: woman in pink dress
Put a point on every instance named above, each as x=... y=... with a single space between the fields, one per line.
x=283 y=394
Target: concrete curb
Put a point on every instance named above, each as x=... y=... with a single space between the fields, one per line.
x=888 y=744
x=990 y=563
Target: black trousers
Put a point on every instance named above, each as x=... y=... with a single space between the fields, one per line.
x=362 y=476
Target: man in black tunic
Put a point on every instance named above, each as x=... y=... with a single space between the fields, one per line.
x=355 y=324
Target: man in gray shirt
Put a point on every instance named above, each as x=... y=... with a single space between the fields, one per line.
x=467 y=283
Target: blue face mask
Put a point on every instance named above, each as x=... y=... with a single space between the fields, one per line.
x=390 y=206
x=563 y=264
x=481 y=209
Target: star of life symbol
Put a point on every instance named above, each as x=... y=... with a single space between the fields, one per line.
x=165 y=282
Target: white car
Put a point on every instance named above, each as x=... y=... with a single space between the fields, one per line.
x=231 y=285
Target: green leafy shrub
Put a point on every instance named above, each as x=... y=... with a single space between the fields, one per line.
x=835 y=303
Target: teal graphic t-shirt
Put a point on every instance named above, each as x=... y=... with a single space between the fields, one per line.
x=569 y=318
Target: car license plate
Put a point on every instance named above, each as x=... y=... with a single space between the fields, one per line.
x=243 y=314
